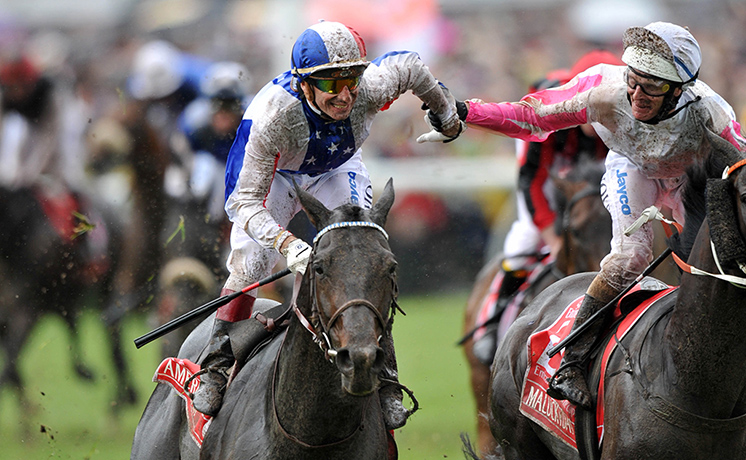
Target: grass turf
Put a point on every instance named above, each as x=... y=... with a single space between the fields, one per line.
x=66 y=417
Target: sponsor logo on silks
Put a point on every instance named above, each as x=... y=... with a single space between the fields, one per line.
x=622 y=192
x=175 y=372
x=354 y=193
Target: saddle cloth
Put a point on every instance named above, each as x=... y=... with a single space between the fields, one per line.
x=175 y=372
x=558 y=417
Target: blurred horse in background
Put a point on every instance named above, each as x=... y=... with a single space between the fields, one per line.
x=584 y=227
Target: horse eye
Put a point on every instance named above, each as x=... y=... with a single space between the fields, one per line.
x=392 y=269
x=318 y=269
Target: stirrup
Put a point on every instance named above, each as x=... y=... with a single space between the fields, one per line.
x=554 y=393
x=201 y=372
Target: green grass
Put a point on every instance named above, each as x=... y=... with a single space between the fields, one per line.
x=68 y=418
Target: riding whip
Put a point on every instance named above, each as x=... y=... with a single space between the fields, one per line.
x=573 y=335
x=204 y=310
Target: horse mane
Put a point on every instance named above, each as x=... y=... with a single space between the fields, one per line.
x=694 y=199
x=349 y=212
x=587 y=169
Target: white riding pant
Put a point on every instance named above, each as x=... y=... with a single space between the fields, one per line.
x=626 y=192
x=522 y=238
x=249 y=262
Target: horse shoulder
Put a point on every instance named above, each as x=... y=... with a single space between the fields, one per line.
x=247 y=409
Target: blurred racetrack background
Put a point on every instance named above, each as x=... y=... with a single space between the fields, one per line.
x=454 y=201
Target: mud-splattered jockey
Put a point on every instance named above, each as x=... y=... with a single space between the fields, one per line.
x=652 y=115
x=308 y=125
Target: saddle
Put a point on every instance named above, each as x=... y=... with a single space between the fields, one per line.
x=247 y=338
x=583 y=430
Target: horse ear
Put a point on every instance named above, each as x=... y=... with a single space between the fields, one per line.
x=564 y=186
x=315 y=210
x=381 y=209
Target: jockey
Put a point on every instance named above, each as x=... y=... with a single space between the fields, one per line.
x=652 y=115
x=209 y=125
x=306 y=127
x=41 y=126
x=533 y=233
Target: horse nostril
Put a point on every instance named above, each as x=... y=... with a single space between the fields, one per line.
x=379 y=361
x=343 y=361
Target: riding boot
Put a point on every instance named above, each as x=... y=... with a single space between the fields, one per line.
x=484 y=347
x=569 y=382
x=214 y=378
x=394 y=413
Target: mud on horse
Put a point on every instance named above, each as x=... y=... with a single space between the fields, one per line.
x=312 y=391
x=674 y=383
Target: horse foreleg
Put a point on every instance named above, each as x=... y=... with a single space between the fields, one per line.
x=480 y=385
x=125 y=392
x=79 y=366
x=16 y=329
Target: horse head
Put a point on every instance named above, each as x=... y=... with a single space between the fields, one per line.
x=582 y=222
x=351 y=279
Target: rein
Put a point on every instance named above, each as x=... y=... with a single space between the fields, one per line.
x=652 y=213
x=737 y=281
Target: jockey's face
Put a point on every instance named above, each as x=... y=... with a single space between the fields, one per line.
x=646 y=94
x=335 y=106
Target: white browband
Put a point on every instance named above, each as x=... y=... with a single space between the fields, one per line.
x=349 y=224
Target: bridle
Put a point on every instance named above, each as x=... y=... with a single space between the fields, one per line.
x=320 y=330
x=652 y=213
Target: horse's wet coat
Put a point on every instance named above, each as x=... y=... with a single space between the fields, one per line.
x=290 y=401
x=676 y=389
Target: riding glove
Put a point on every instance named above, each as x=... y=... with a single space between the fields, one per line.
x=297 y=255
x=436 y=124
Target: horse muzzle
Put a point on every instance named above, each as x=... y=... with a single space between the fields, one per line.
x=360 y=367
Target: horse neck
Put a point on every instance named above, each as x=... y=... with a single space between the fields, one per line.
x=704 y=335
x=308 y=395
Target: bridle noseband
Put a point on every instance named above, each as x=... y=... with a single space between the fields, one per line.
x=319 y=330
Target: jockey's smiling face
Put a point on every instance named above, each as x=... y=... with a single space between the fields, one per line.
x=334 y=97
x=647 y=93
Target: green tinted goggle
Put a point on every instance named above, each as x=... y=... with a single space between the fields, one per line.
x=335 y=86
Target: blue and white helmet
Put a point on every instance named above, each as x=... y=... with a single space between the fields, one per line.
x=328 y=46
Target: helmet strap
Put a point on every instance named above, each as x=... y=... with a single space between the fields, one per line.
x=670 y=101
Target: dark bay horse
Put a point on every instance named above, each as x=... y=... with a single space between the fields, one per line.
x=585 y=230
x=44 y=269
x=674 y=386
x=292 y=399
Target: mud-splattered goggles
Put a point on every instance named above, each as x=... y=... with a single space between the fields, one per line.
x=654 y=87
x=335 y=86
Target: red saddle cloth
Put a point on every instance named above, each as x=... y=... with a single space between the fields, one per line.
x=175 y=372
x=59 y=210
x=558 y=417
